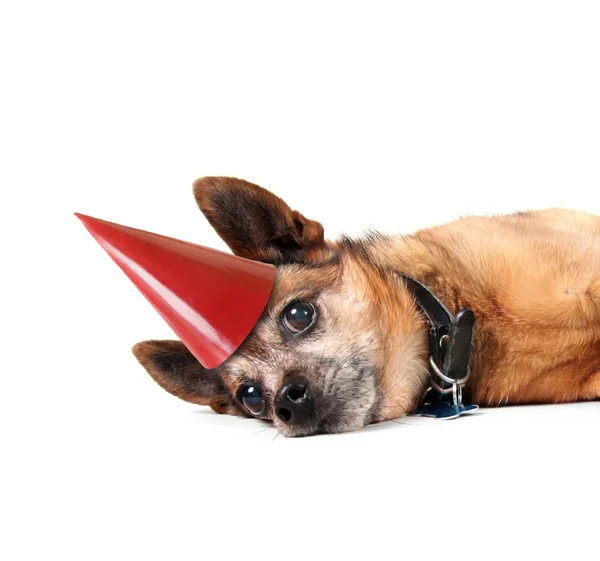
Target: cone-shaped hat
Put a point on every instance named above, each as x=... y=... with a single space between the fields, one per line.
x=211 y=299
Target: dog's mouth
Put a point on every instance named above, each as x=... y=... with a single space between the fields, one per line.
x=329 y=419
x=338 y=399
x=325 y=426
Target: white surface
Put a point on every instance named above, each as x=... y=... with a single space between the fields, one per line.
x=359 y=116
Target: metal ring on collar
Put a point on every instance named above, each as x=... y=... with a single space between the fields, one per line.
x=437 y=370
x=457 y=394
x=440 y=389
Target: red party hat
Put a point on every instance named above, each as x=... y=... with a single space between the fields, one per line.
x=211 y=299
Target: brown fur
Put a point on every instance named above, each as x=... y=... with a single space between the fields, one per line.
x=532 y=279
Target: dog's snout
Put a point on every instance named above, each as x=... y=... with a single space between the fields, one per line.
x=294 y=403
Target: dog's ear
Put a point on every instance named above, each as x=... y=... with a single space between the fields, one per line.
x=175 y=369
x=256 y=224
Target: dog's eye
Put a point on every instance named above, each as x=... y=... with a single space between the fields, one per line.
x=252 y=398
x=298 y=316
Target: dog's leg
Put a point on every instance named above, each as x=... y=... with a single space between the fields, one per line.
x=591 y=388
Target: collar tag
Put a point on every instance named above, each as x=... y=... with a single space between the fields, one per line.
x=442 y=410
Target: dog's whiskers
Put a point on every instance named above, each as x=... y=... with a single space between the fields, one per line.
x=260 y=431
x=398 y=422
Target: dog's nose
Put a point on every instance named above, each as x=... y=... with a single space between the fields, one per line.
x=294 y=404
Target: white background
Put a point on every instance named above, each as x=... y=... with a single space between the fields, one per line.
x=389 y=115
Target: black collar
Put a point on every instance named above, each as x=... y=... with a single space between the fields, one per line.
x=450 y=344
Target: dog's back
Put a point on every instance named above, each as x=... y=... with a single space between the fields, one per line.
x=533 y=281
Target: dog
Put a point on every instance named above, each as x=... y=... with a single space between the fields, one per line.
x=342 y=333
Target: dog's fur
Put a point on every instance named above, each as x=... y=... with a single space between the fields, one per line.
x=532 y=279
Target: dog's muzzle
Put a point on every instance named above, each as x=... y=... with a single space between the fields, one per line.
x=294 y=403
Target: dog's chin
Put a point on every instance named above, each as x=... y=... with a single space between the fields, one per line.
x=324 y=428
x=329 y=424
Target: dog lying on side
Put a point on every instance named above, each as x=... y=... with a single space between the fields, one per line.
x=343 y=332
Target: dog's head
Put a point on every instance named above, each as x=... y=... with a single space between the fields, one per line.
x=339 y=345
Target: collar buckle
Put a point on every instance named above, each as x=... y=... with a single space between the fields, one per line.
x=450 y=344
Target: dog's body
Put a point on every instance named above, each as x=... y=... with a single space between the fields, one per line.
x=532 y=280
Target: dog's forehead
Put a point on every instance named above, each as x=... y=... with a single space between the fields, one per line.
x=297 y=281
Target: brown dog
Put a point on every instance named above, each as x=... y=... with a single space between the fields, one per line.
x=344 y=331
